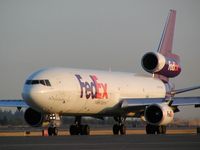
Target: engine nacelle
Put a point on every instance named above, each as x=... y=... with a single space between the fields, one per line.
x=157 y=63
x=159 y=114
x=33 y=118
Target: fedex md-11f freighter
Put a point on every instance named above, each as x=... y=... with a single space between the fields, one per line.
x=54 y=92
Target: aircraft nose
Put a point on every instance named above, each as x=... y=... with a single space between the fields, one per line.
x=34 y=96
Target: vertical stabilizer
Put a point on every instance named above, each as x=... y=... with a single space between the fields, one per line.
x=166 y=42
x=163 y=64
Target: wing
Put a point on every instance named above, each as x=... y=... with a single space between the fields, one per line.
x=140 y=102
x=185 y=101
x=177 y=101
x=138 y=105
x=13 y=103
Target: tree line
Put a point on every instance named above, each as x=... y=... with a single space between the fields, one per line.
x=7 y=117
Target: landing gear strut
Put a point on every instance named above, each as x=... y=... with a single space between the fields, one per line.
x=52 y=131
x=78 y=129
x=155 y=129
x=120 y=127
x=54 y=121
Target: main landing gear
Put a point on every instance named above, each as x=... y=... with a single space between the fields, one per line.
x=120 y=127
x=78 y=129
x=155 y=129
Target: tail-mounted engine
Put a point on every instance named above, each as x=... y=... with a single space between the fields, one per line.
x=159 y=114
x=159 y=64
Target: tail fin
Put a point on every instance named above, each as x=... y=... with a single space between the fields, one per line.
x=166 y=42
x=164 y=64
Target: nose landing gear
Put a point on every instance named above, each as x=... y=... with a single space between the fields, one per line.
x=52 y=130
x=54 y=121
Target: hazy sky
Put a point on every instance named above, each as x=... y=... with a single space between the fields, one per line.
x=94 y=35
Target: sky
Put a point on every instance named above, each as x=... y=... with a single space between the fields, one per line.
x=94 y=34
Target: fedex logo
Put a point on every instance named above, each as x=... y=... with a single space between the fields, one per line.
x=93 y=89
x=170 y=114
x=172 y=66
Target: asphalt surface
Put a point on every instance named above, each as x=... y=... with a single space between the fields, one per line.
x=105 y=142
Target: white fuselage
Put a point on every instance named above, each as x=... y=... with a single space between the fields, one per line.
x=86 y=92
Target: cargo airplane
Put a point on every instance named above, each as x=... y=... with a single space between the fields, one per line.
x=51 y=93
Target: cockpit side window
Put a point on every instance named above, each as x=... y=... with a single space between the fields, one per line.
x=48 y=83
x=28 y=81
x=42 y=82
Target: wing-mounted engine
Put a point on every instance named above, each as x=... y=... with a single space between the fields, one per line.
x=36 y=119
x=156 y=63
x=33 y=118
x=159 y=114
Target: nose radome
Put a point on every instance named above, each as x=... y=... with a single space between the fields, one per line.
x=34 y=96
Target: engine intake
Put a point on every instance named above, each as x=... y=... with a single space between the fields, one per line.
x=149 y=62
x=33 y=118
x=159 y=114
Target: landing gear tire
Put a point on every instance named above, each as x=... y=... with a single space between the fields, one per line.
x=85 y=130
x=161 y=130
x=73 y=130
x=79 y=129
x=119 y=129
x=122 y=129
x=150 y=129
x=116 y=129
x=52 y=131
x=153 y=129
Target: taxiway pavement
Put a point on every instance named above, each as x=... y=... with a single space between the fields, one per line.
x=103 y=142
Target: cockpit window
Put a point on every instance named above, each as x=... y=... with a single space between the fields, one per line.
x=48 y=83
x=35 y=82
x=43 y=82
x=28 y=81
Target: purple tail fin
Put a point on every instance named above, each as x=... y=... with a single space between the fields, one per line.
x=163 y=64
x=166 y=42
